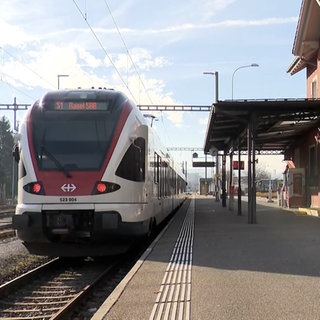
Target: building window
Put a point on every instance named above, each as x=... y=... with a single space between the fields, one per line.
x=313 y=170
x=314 y=91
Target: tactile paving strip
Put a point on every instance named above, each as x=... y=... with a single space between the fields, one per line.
x=174 y=298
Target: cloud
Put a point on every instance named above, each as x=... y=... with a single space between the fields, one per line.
x=139 y=59
x=40 y=66
x=49 y=41
x=177 y=118
x=255 y=23
x=13 y=35
x=214 y=25
x=204 y=10
x=89 y=59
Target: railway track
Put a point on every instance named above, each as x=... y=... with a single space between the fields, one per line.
x=6 y=230
x=52 y=290
x=66 y=289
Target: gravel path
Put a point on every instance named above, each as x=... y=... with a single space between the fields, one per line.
x=15 y=260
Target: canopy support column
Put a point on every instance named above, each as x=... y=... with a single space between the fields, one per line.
x=252 y=219
x=239 y=182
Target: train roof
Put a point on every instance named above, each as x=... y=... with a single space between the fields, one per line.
x=82 y=99
x=92 y=93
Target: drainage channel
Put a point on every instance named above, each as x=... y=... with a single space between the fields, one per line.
x=174 y=298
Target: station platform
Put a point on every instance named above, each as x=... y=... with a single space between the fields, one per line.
x=209 y=263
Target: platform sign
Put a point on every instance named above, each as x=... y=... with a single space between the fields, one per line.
x=203 y=164
x=236 y=165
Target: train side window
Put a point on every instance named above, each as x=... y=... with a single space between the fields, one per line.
x=21 y=170
x=132 y=165
x=156 y=168
x=16 y=153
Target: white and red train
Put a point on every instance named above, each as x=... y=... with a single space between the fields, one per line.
x=93 y=176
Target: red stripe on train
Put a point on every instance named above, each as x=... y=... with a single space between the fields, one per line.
x=81 y=183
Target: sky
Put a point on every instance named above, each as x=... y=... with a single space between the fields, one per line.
x=156 y=52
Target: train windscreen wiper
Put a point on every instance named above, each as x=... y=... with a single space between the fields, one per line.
x=58 y=164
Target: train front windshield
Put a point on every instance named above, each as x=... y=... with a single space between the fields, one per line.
x=74 y=139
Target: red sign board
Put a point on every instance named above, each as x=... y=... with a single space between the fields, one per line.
x=236 y=165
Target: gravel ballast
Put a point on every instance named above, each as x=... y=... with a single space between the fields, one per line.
x=15 y=260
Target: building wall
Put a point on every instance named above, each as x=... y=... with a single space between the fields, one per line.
x=307 y=155
x=306 y=152
x=309 y=146
x=313 y=78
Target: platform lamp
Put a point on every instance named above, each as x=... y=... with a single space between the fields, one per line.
x=216 y=74
x=216 y=88
x=241 y=67
x=61 y=76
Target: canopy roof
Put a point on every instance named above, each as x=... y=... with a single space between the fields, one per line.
x=278 y=123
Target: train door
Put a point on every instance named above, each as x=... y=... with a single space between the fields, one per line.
x=157 y=190
x=295 y=187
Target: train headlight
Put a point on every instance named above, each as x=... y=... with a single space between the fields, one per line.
x=34 y=188
x=102 y=187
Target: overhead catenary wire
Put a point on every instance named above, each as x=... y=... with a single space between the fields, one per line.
x=128 y=53
x=136 y=69
x=84 y=16
x=27 y=67
x=3 y=76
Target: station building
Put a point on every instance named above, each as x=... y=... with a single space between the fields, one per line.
x=305 y=152
x=245 y=128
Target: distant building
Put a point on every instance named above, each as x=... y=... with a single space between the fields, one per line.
x=206 y=186
x=305 y=154
x=193 y=182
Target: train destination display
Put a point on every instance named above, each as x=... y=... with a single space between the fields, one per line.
x=80 y=105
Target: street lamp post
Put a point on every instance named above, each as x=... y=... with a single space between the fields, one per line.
x=60 y=76
x=216 y=91
x=246 y=66
x=215 y=73
x=239 y=155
